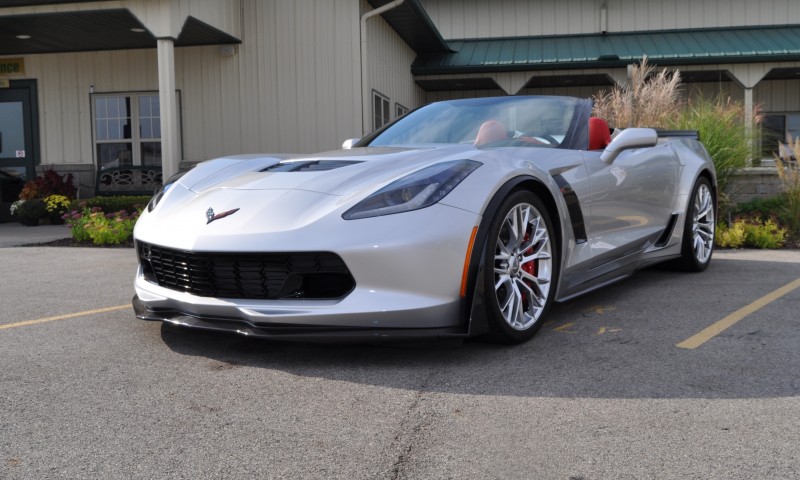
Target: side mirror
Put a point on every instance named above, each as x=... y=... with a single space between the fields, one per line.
x=627 y=139
x=348 y=144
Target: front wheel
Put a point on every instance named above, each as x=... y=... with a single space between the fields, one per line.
x=521 y=268
x=698 y=231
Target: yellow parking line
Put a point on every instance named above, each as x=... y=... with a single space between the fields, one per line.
x=64 y=317
x=713 y=330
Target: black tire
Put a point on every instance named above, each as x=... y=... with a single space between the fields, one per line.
x=697 y=245
x=520 y=273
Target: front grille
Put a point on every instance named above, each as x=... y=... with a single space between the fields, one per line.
x=303 y=275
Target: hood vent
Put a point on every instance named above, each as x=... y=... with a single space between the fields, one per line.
x=309 y=166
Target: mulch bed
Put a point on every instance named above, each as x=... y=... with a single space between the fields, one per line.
x=69 y=242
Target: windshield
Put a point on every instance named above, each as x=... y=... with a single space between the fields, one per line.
x=484 y=122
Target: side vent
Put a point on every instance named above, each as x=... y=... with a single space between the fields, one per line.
x=667 y=233
x=573 y=208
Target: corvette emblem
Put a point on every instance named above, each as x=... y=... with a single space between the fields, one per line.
x=210 y=216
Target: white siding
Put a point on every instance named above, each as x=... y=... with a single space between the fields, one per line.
x=778 y=95
x=63 y=83
x=389 y=65
x=292 y=86
x=512 y=18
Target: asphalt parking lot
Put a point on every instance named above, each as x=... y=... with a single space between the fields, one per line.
x=664 y=375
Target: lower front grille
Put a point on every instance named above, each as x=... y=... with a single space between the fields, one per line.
x=301 y=275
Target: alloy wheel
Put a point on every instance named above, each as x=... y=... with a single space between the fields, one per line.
x=523 y=266
x=703 y=223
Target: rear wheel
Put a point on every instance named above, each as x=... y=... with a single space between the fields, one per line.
x=698 y=231
x=521 y=268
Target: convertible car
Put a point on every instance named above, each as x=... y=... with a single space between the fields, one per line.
x=462 y=218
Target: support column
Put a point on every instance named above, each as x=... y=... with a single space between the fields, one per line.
x=748 y=76
x=748 y=119
x=170 y=136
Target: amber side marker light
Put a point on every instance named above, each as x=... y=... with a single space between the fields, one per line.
x=465 y=273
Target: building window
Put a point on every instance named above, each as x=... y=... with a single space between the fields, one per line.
x=778 y=128
x=380 y=110
x=399 y=110
x=127 y=129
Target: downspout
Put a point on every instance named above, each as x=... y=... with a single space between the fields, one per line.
x=364 y=74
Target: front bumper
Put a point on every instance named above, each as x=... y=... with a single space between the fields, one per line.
x=407 y=270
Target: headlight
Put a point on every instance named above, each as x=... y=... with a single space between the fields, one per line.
x=161 y=191
x=418 y=190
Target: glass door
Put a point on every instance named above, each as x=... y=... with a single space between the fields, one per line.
x=16 y=145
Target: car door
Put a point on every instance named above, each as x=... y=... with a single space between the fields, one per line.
x=631 y=199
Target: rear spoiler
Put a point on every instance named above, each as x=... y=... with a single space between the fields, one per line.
x=693 y=134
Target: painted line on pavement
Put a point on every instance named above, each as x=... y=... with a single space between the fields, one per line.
x=713 y=330
x=63 y=317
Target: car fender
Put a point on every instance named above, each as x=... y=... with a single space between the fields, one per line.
x=473 y=305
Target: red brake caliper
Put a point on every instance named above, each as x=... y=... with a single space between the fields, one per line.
x=529 y=268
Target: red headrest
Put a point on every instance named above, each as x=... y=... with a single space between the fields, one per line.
x=599 y=134
x=490 y=131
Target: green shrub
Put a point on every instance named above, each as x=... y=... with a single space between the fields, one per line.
x=77 y=224
x=101 y=228
x=764 y=235
x=729 y=236
x=720 y=123
x=129 y=203
x=30 y=211
x=760 y=208
x=751 y=233
x=111 y=229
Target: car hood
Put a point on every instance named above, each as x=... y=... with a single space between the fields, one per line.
x=340 y=173
x=252 y=196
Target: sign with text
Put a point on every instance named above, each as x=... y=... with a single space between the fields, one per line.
x=12 y=66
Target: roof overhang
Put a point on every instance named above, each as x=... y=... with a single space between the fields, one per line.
x=93 y=30
x=673 y=47
x=414 y=26
x=33 y=3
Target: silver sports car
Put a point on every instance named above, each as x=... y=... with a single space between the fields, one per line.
x=462 y=218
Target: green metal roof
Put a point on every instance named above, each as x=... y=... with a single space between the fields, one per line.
x=670 y=47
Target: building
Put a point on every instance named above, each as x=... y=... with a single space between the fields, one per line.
x=90 y=86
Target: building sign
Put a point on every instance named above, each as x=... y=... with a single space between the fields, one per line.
x=12 y=66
